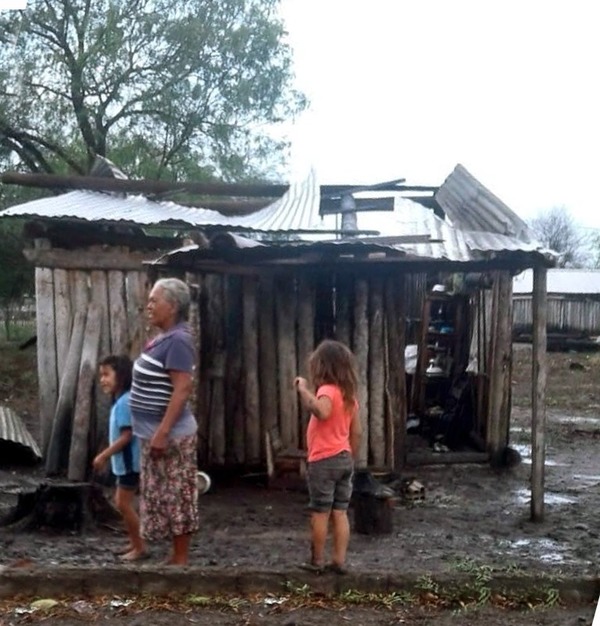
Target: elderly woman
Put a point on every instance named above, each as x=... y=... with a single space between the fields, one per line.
x=164 y=423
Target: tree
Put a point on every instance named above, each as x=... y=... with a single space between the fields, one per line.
x=556 y=229
x=170 y=89
x=16 y=274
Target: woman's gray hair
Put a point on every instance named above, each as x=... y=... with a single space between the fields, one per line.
x=178 y=293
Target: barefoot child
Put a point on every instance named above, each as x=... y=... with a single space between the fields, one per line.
x=332 y=438
x=123 y=450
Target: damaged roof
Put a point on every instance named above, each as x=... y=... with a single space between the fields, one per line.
x=476 y=222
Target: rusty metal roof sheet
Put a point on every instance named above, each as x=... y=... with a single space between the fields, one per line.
x=13 y=430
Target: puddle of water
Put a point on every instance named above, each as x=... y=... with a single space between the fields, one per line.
x=544 y=549
x=574 y=419
x=525 y=451
x=523 y=496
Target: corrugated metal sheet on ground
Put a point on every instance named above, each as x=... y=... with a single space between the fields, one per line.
x=561 y=280
x=14 y=430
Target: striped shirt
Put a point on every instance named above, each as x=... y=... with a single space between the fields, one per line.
x=151 y=388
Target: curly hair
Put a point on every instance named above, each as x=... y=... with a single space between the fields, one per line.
x=332 y=363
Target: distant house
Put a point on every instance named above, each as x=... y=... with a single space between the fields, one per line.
x=573 y=301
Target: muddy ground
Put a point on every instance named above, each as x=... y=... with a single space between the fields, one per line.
x=472 y=518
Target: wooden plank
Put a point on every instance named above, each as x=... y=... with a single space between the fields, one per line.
x=79 y=290
x=90 y=259
x=395 y=373
x=235 y=419
x=267 y=353
x=58 y=448
x=99 y=295
x=250 y=369
x=117 y=312
x=62 y=315
x=306 y=339
x=214 y=356
x=344 y=286
x=507 y=357
x=79 y=461
x=377 y=432
x=194 y=323
x=538 y=395
x=46 y=353
x=136 y=296
x=285 y=311
x=492 y=368
x=361 y=350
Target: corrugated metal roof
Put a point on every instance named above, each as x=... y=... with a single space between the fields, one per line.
x=472 y=207
x=476 y=221
x=298 y=209
x=560 y=280
x=13 y=429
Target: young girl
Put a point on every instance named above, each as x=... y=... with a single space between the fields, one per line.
x=123 y=450
x=332 y=438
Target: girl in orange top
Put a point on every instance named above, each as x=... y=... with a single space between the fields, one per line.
x=332 y=438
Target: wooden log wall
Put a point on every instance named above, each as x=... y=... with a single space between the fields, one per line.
x=82 y=316
x=256 y=333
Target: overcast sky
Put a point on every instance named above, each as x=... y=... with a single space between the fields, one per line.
x=398 y=88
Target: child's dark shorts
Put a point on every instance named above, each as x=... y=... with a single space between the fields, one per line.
x=128 y=481
x=330 y=482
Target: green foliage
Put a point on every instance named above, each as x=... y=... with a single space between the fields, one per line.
x=172 y=89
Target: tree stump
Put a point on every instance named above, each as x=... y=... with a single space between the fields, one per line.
x=61 y=506
x=373 y=514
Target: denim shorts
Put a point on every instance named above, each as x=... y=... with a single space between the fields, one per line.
x=330 y=482
x=128 y=481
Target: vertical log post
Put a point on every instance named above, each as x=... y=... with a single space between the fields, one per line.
x=117 y=312
x=306 y=339
x=377 y=441
x=215 y=358
x=501 y=349
x=396 y=372
x=135 y=293
x=343 y=308
x=235 y=419
x=267 y=353
x=250 y=370
x=361 y=351
x=46 y=353
x=62 y=316
x=58 y=448
x=285 y=296
x=82 y=416
x=538 y=395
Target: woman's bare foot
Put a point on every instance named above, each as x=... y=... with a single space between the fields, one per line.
x=134 y=555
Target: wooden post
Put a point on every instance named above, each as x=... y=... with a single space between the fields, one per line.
x=79 y=453
x=117 y=312
x=267 y=353
x=361 y=351
x=343 y=308
x=538 y=395
x=213 y=344
x=396 y=372
x=306 y=338
x=135 y=294
x=499 y=370
x=250 y=370
x=285 y=311
x=62 y=316
x=377 y=435
x=235 y=419
x=46 y=353
x=58 y=448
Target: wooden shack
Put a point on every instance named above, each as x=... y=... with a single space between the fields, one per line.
x=268 y=287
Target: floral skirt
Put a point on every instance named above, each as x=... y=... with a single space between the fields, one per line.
x=169 y=490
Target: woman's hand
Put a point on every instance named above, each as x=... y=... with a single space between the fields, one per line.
x=159 y=443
